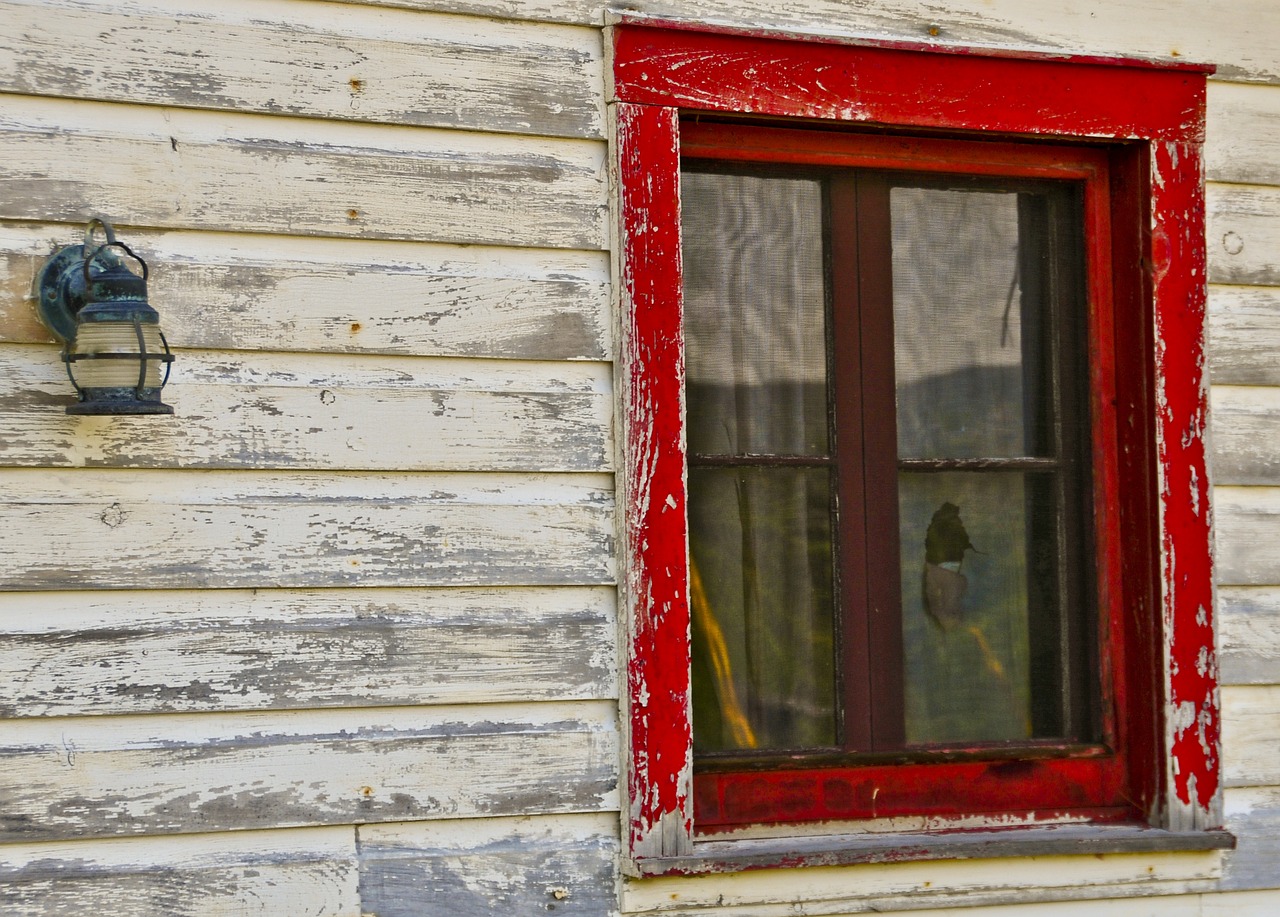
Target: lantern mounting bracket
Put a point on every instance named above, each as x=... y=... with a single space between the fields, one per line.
x=60 y=285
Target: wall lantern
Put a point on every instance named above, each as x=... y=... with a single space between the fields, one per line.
x=111 y=338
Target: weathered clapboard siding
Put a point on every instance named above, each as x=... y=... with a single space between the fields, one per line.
x=313 y=411
x=1264 y=903
x=1246 y=532
x=61 y=161
x=902 y=886
x=1246 y=434
x=1251 y=723
x=70 y=654
x=102 y=776
x=315 y=59
x=1161 y=29
x=224 y=291
x=311 y=871
x=1249 y=635
x=1244 y=335
x=1243 y=227
x=1238 y=904
x=1253 y=815
x=226 y=529
x=556 y=864
x=1242 y=134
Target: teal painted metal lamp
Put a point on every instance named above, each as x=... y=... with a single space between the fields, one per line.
x=111 y=340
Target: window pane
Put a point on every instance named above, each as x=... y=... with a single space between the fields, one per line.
x=966 y=350
x=983 y=657
x=754 y=289
x=760 y=595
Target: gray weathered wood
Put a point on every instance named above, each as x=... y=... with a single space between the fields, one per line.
x=321 y=60
x=161 y=651
x=1250 y=724
x=1243 y=228
x=1245 y=434
x=1249 y=635
x=738 y=854
x=246 y=874
x=101 y=776
x=295 y=411
x=1242 y=139
x=1244 y=335
x=224 y=291
x=1253 y=815
x=99 y=529
x=1238 y=41
x=63 y=161
x=1246 y=531
x=557 y=865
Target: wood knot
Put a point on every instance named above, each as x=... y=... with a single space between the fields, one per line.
x=114 y=515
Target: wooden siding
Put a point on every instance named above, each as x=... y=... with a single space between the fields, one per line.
x=177 y=773
x=82 y=653
x=287 y=411
x=184 y=530
x=232 y=291
x=180 y=168
x=284 y=57
x=341 y=637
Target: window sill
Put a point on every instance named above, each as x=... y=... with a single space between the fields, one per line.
x=722 y=856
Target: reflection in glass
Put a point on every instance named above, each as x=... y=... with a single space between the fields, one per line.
x=760 y=596
x=754 y=289
x=966 y=354
x=978 y=585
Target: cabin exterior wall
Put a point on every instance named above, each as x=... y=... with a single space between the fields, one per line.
x=342 y=637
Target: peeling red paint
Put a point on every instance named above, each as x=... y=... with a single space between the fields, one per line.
x=917 y=86
x=653 y=379
x=1178 y=262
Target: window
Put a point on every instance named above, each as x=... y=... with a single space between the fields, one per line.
x=888 y=449
x=913 y=436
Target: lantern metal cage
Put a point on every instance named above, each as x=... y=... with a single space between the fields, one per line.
x=112 y=343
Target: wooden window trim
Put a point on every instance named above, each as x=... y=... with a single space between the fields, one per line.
x=1152 y=117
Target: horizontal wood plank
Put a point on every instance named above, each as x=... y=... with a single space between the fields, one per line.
x=1250 y=724
x=225 y=291
x=1246 y=531
x=320 y=60
x=1260 y=903
x=67 y=777
x=564 y=865
x=1242 y=142
x=959 y=884
x=1236 y=40
x=72 y=654
x=328 y=412
x=1243 y=228
x=63 y=161
x=247 y=874
x=1245 y=426
x=1244 y=335
x=1253 y=816
x=1249 y=635
x=100 y=529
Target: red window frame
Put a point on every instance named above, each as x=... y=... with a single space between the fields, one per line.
x=1135 y=133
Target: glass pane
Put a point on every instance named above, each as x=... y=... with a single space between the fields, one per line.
x=967 y=354
x=983 y=657
x=755 y=314
x=761 y=603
